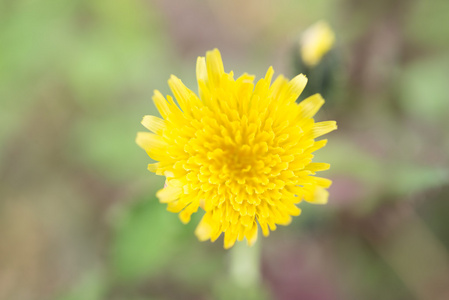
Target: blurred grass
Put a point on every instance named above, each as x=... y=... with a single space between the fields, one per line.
x=78 y=215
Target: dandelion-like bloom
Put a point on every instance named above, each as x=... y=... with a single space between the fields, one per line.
x=241 y=152
x=316 y=41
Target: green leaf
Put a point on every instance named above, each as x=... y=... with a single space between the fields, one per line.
x=145 y=240
x=427 y=23
x=424 y=92
x=91 y=287
x=407 y=179
x=392 y=176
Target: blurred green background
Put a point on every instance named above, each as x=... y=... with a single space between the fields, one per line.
x=78 y=215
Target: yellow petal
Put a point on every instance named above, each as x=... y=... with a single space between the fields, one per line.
x=201 y=70
x=317 y=145
x=322 y=182
x=204 y=229
x=277 y=88
x=320 y=196
x=310 y=106
x=161 y=104
x=154 y=124
x=297 y=85
x=251 y=235
x=187 y=212
x=169 y=194
x=322 y=128
x=214 y=66
x=147 y=140
x=154 y=168
x=153 y=144
x=176 y=206
x=292 y=209
x=315 y=167
x=284 y=220
x=229 y=239
x=182 y=94
x=269 y=74
x=262 y=87
x=201 y=75
x=216 y=233
x=264 y=226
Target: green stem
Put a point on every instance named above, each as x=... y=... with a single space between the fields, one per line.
x=245 y=264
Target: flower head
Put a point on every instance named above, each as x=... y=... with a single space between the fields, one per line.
x=316 y=41
x=240 y=151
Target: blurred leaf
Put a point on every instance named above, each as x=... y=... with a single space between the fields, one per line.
x=389 y=175
x=205 y=259
x=427 y=22
x=91 y=287
x=406 y=179
x=367 y=270
x=348 y=159
x=32 y=39
x=145 y=240
x=305 y=12
x=424 y=92
x=116 y=46
x=32 y=36
x=107 y=143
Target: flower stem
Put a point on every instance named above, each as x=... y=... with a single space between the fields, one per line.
x=245 y=264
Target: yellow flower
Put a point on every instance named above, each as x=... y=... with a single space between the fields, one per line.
x=241 y=152
x=316 y=41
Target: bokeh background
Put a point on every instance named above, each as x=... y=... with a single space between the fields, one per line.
x=78 y=213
